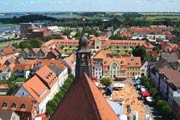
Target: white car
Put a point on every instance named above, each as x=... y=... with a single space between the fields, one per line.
x=150 y=99
x=143 y=89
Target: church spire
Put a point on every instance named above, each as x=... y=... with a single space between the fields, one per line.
x=83 y=58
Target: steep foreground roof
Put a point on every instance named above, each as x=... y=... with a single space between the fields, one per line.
x=83 y=101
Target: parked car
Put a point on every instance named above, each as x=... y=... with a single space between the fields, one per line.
x=150 y=100
x=143 y=89
x=138 y=87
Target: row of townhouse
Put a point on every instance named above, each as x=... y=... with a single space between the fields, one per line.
x=166 y=81
x=48 y=77
x=41 y=53
x=101 y=42
x=45 y=83
x=106 y=64
x=153 y=32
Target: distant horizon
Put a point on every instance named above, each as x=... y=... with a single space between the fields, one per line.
x=9 y=6
x=84 y=12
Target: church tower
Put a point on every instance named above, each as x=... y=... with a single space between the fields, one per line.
x=83 y=59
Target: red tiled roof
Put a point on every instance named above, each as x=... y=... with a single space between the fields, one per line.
x=47 y=75
x=172 y=75
x=3 y=59
x=35 y=50
x=19 y=101
x=36 y=88
x=83 y=101
x=126 y=34
x=99 y=38
x=3 y=67
x=7 y=50
x=130 y=61
x=69 y=60
x=48 y=63
x=22 y=67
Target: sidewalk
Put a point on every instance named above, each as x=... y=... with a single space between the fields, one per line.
x=130 y=97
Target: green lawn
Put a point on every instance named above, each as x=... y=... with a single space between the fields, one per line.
x=4 y=44
x=20 y=79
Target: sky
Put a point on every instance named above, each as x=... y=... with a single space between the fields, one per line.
x=89 y=5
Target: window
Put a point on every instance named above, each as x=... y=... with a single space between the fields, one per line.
x=13 y=105
x=5 y=104
x=23 y=105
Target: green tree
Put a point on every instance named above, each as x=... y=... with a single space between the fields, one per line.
x=25 y=44
x=153 y=91
x=52 y=104
x=71 y=76
x=139 y=51
x=62 y=46
x=106 y=81
x=35 y=43
x=158 y=97
x=150 y=58
x=165 y=110
x=67 y=32
x=16 y=45
x=49 y=110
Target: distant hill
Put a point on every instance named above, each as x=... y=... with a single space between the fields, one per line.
x=26 y=18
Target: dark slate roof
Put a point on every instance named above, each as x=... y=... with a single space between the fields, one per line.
x=162 y=64
x=21 y=60
x=177 y=100
x=170 y=57
x=83 y=101
x=5 y=114
x=56 y=70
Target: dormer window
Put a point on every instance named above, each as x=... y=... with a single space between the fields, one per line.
x=13 y=105
x=23 y=106
x=49 y=75
x=5 y=104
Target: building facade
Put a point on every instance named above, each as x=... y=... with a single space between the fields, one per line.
x=106 y=64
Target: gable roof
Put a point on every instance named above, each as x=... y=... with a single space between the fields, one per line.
x=2 y=68
x=48 y=63
x=69 y=60
x=35 y=50
x=7 y=51
x=11 y=60
x=84 y=101
x=18 y=101
x=172 y=75
x=36 y=88
x=22 y=67
x=99 y=38
x=47 y=75
x=21 y=60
